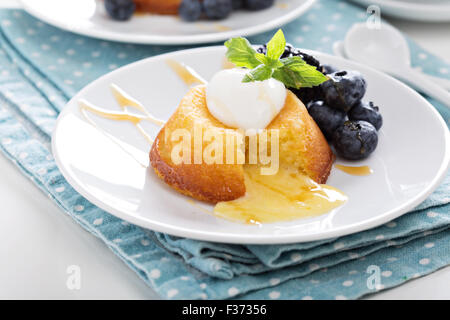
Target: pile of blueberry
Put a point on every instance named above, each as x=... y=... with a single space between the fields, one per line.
x=191 y=10
x=337 y=107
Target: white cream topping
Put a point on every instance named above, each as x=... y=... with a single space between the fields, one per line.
x=250 y=105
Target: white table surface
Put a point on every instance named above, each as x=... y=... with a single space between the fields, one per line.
x=39 y=242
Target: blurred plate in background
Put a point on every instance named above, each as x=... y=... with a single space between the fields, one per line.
x=89 y=18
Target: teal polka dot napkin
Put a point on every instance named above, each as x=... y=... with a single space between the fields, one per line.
x=41 y=67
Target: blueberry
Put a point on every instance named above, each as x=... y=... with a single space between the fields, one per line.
x=190 y=10
x=237 y=4
x=344 y=89
x=328 y=69
x=258 y=4
x=262 y=49
x=306 y=95
x=217 y=9
x=309 y=59
x=366 y=111
x=120 y=9
x=288 y=51
x=328 y=119
x=355 y=140
x=291 y=51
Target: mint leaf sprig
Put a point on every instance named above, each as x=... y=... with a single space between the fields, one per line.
x=294 y=72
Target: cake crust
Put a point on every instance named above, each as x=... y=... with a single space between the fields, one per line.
x=206 y=182
x=302 y=144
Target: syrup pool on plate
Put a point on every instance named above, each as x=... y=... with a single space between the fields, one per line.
x=284 y=196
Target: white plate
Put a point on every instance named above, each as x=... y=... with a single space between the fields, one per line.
x=88 y=17
x=411 y=159
x=420 y=10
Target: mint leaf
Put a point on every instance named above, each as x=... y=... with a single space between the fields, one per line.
x=260 y=73
x=276 y=45
x=272 y=63
x=296 y=73
x=292 y=71
x=241 y=53
x=288 y=77
x=262 y=58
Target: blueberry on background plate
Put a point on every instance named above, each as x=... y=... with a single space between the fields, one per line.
x=217 y=9
x=328 y=119
x=120 y=9
x=344 y=89
x=366 y=111
x=355 y=140
x=258 y=4
x=237 y=4
x=190 y=10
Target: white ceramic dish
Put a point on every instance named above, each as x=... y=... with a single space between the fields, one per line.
x=420 y=10
x=88 y=17
x=411 y=159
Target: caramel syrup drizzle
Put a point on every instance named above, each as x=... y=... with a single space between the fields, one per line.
x=186 y=73
x=126 y=101
x=355 y=171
